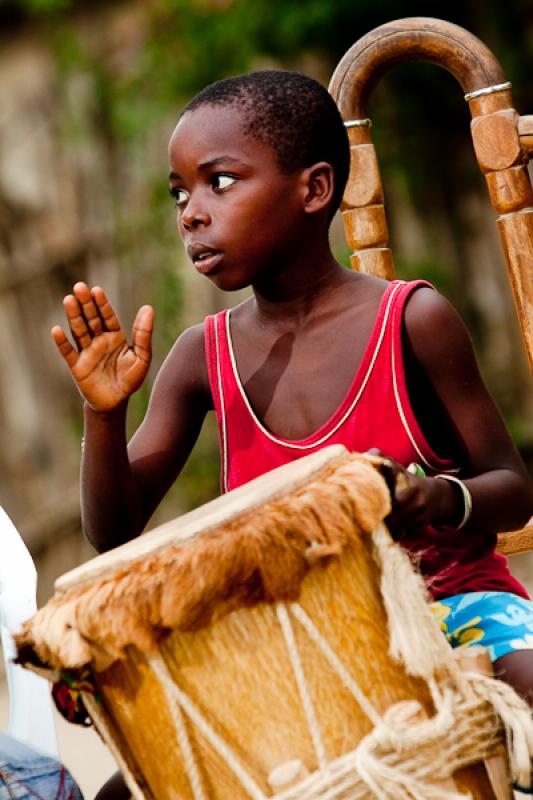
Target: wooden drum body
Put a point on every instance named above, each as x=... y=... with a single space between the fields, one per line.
x=271 y=678
x=238 y=673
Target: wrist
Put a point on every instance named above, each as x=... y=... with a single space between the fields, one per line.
x=108 y=423
x=456 y=505
x=110 y=415
x=106 y=429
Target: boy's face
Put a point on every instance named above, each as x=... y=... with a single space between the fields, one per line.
x=237 y=214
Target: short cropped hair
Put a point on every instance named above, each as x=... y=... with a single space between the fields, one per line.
x=292 y=113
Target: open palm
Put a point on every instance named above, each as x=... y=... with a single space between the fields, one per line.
x=104 y=366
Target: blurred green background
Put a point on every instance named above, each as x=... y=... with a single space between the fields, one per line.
x=90 y=93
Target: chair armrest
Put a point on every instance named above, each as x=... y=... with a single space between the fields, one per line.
x=516 y=541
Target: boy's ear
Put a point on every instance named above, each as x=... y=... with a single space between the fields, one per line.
x=319 y=185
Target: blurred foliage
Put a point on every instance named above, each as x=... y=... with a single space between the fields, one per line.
x=190 y=43
x=46 y=6
x=420 y=119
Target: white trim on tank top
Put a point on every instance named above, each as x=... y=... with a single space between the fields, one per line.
x=403 y=417
x=326 y=436
x=222 y=413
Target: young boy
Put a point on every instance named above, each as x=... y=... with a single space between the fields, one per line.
x=316 y=355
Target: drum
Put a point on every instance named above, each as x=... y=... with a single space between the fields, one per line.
x=254 y=648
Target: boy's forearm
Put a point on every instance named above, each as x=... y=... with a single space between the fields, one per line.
x=505 y=497
x=491 y=502
x=110 y=507
x=501 y=500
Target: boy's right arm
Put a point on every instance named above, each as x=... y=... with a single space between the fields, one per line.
x=121 y=485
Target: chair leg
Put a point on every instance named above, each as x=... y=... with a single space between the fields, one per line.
x=476 y=659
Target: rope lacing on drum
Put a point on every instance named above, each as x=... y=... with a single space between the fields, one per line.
x=355 y=770
x=191 y=767
x=395 y=760
x=335 y=663
x=305 y=696
x=179 y=702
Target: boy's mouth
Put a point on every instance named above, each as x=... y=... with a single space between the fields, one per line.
x=204 y=258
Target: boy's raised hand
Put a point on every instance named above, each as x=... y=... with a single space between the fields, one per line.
x=105 y=367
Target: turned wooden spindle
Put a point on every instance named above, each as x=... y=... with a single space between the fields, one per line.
x=502 y=157
x=503 y=142
x=363 y=209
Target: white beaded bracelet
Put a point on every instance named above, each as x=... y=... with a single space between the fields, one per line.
x=467 y=498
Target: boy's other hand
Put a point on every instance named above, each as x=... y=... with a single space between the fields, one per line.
x=104 y=366
x=416 y=501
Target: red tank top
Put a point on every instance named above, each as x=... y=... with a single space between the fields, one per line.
x=375 y=412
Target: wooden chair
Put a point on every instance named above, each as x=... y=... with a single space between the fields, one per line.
x=30 y=716
x=503 y=143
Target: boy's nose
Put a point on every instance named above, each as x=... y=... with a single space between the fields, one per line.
x=194 y=217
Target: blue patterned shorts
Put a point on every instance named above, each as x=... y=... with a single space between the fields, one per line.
x=500 y=621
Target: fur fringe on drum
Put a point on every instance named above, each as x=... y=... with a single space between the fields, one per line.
x=260 y=556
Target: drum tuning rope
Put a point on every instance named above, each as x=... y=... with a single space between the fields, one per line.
x=335 y=663
x=305 y=696
x=191 y=767
x=179 y=699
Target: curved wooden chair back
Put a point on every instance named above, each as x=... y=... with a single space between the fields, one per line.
x=503 y=143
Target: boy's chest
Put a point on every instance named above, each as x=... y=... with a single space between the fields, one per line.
x=295 y=383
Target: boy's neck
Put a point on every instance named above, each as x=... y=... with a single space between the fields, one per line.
x=293 y=294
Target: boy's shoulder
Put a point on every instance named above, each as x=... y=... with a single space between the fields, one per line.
x=428 y=313
x=191 y=340
x=185 y=366
x=435 y=331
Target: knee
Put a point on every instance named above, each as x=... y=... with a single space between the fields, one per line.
x=114 y=789
x=516 y=669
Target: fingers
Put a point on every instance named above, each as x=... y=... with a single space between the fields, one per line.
x=143 y=327
x=64 y=346
x=90 y=306
x=98 y=334
x=406 y=504
x=407 y=509
x=410 y=510
x=76 y=321
x=89 y=314
x=105 y=310
x=392 y=472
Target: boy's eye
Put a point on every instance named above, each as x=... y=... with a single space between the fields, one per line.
x=179 y=195
x=220 y=181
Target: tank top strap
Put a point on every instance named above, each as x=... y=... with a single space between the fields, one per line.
x=399 y=292
x=218 y=359
x=393 y=352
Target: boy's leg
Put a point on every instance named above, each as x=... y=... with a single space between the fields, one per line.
x=516 y=669
x=114 y=789
x=501 y=622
